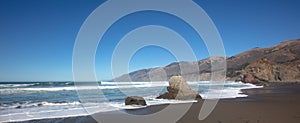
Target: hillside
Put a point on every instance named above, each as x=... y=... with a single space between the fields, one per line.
x=285 y=57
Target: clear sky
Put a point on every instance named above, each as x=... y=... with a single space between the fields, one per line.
x=37 y=36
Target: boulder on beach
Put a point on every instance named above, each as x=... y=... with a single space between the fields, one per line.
x=135 y=100
x=179 y=89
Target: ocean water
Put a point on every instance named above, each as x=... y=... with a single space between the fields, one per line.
x=20 y=101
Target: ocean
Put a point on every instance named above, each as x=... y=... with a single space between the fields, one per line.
x=20 y=101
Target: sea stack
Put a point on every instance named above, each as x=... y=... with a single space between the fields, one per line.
x=179 y=89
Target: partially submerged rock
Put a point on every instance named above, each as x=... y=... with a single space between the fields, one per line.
x=179 y=89
x=135 y=100
x=19 y=107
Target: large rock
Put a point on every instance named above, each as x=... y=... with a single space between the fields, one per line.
x=135 y=100
x=179 y=89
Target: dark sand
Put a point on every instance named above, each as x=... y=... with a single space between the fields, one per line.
x=278 y=103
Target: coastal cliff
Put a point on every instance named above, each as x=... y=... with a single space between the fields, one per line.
x=277 y=63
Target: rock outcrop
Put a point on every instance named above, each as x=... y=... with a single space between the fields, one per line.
x=249 y=78
x=179 y=89
x=261 y=70
x=135 y=100
x=266 y=71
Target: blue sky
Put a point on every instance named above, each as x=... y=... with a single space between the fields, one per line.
x=37 y=36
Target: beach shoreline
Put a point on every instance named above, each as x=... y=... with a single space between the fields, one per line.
x=276 y=103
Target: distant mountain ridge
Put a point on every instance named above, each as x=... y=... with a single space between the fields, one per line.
x=286 y=53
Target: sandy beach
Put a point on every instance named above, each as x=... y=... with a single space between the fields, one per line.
x=277 y=103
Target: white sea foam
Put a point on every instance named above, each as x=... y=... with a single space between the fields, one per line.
x=38 y=104
x=228 y=92
x=15 y=85
x=84 y=87
x=135 y=83
x=30 y=111
x=114 y=85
